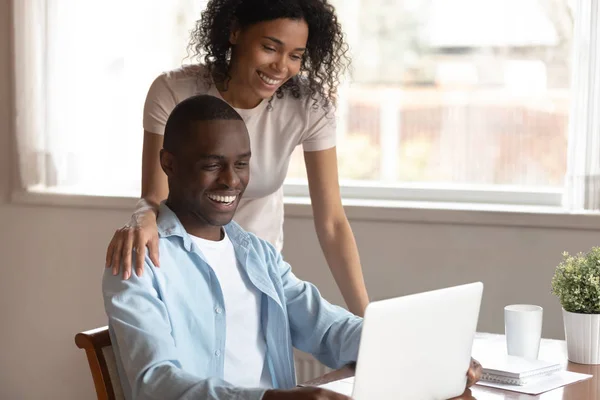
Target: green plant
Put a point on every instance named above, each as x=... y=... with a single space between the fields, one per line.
x=576 y=282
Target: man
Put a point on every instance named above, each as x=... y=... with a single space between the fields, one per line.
x=219 y=318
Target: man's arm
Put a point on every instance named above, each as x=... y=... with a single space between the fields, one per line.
x=328 y=332
x=140 y=325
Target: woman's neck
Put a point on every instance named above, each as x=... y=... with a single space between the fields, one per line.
x=237 y=94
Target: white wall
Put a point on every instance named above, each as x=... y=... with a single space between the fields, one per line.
x=51 y=263
x=52 y=260
x=514 y=263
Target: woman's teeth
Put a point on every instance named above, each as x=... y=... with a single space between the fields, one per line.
x=222 y=199
x=269 y=80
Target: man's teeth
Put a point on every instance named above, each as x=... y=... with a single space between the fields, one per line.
x=268 y=80
x=222 y=199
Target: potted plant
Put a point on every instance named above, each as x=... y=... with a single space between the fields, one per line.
x=576 y=282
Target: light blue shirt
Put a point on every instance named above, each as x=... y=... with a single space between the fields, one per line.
x=168 y=326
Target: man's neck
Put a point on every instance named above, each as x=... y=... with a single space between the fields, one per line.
x=194 y=226
x=216 y=234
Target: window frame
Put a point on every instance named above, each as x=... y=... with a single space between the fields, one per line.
x=437 y=193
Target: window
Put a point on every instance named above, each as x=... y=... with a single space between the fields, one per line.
x=443 y=104
x=99 y=61
x=460 y=101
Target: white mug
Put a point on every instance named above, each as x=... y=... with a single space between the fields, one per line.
x=523 y=329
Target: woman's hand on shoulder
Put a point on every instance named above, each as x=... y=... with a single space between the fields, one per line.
x=140 y=232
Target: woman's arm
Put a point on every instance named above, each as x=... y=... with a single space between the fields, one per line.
x=141 y=231
x=333 y=230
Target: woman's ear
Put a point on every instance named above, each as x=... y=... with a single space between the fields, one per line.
x=234 y=33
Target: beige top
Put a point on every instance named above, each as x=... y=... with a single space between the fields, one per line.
x=274 y=134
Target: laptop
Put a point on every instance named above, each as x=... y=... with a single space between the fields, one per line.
x=416 y=346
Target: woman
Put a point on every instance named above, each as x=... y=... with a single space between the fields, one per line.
x=278 y=63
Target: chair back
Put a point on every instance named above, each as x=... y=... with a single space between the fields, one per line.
x=102 y=361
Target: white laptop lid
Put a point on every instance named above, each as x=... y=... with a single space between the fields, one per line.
x=418 y=346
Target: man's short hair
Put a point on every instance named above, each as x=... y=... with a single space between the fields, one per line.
x=193 y=109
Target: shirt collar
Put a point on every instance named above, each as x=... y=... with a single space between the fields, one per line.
x=169 y=225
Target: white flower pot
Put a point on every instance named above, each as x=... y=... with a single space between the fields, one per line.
x=582 y=332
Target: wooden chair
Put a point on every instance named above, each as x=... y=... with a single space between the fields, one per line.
x=103 y=365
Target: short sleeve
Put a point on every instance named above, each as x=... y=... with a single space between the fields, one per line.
x=321 y=128
x=160 y=101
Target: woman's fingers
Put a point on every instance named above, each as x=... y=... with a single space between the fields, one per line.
x=126 y=249
x=116 y=258
x=110 y=251
x=140 y=252
x=121 y=247
x=153 y=250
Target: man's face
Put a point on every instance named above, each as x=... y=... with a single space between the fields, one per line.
x=209 y=174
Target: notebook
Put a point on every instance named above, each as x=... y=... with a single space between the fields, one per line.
x=516 y=370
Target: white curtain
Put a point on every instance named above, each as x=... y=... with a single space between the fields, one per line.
x=29 y=31
x=82 y=72
x=583 y=170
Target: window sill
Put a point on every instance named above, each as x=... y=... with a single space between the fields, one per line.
x=454 y=213
x=58 y=199
x=369 y=210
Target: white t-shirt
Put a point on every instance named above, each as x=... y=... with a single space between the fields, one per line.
x=245 y=345
x=274 y=134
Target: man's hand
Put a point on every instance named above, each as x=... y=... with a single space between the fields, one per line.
x=474 y=373
x=304 y=393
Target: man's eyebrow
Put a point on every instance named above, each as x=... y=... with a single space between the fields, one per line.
x=279 y=42
x=218 y=157
x=211 y=157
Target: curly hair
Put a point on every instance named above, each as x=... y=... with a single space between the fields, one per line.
x=323 y=64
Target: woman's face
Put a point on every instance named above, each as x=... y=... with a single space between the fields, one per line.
x=265 y=56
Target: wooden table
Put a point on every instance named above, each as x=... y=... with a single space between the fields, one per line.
x=550 y=350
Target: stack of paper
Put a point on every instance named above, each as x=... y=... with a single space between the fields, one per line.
x=516 y=370
x=541 y=385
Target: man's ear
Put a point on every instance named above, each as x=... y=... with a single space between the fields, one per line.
x=234 y=33
x=167 y=161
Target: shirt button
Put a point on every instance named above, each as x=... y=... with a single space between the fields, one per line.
x=218 y=310
x=217 y=353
